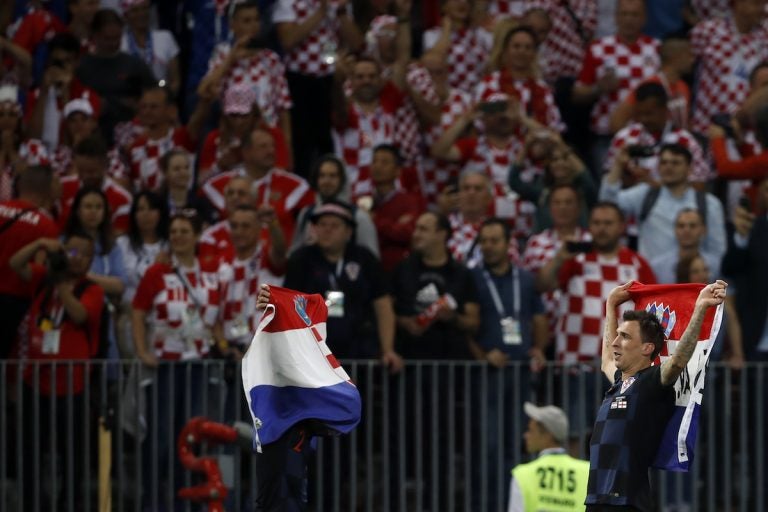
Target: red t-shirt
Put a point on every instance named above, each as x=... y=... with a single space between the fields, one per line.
x=395 y=219
x=118 y=198
x=209 y=154
x=79 y=342
x=34 y=224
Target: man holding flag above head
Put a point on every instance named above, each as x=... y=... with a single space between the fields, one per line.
x=649 y=415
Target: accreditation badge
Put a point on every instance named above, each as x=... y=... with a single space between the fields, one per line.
x=51 y=341
x=334 y=301
x=510 y=331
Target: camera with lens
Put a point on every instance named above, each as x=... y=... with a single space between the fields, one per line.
x=57 y=262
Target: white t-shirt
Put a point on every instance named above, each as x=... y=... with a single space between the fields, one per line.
x=164 y=49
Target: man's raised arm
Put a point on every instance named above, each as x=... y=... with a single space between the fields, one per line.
x=711 y=295
x=616 y=298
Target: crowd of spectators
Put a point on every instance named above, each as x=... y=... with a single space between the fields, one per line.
x=461 y=179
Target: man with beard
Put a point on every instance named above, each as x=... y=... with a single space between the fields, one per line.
x=585 y=280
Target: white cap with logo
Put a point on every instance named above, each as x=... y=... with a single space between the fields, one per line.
x=551 y=418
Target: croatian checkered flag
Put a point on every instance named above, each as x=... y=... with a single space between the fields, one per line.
x=673 y=305
x=290 y=374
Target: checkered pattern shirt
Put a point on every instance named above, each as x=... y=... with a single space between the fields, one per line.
x=467 y=56
x=240 y=288
x=144 y=156
x=506 y=8
x=530 y=93
x=216 y=244
x=463 y=246
x=709 y=9
x=165 y=298
x=118 y=198
x=562 y=52
x=585 y=282
x=61 y=163
x=306 y=57
x=636 y=134
x=478 y=155
x=264 y=73
x=631 y=63
x=726 y=58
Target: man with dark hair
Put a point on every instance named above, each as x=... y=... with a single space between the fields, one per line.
x=636 y=409
x=656 y=208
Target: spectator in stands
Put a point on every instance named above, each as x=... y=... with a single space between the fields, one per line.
x=90 y=161
x=393 y=210
x=157 y=48
x=329 y=181
x=156 y=116
x=727 y=49
x=11 y=136
x=174 y=312
x=365 y=119
x=178 y=187
x=613 y=66
x=117 y=77
x=23 y=221
x=286 y=192
x=16 y=63
x=311 y=33
x=350 y=277
x=545 y=438
x=563 y=167
x=216 y=240
x=45 y=104
x=585 y=278
x=645 y=137
x=690 y=232
x=62 y=325
x=461 y=42
x=656 y=208
x=221 y=149
x=516 y=75
x=144 y=244
x=677 y=62
x=512 y=329
x=492 y=152
x=752 y=164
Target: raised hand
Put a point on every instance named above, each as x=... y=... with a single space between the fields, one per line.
x=712 y=294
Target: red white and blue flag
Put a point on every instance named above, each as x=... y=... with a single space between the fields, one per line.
x=673 y=305
x=290 y=374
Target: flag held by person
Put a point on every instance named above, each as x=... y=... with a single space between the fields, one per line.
x=673 y=305
x=290 y=374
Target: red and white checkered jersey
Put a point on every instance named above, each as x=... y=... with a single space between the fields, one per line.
x=264 y=73
x=126 y=133
x=118 y=198
x=309 y=57
x=169 y=306
x=240 y=288
x=635 y=134
x=61 y=163
x=364 y=131
x=631 y=63
x=145 y=153
x=215 y=244
x=585 y=282
x=506 y=8
x=286 y=192
x=463 y=244
x=479 y=155
x=535 y=97
x=726 y=58
x=467 y=56
x=562 y=52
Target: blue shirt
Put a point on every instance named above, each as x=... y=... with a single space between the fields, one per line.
x=489 y=335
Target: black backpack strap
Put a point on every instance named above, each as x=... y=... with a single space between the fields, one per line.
x=10 y=222
x=648 y=201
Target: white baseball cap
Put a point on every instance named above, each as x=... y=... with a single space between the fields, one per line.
x=552 y=418
x=78 y=105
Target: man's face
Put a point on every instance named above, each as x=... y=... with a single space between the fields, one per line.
x=384 y=168
x=564 y=207
x=689 y=230
x=536 y=437
x=63 y=59
x=107 y=40
x=79 y=255
x=332 y=233
x=606 y=228
x=328 y=180
x=137 y=16
x=237 y=192
x=493 y=245
x=673 y=169
x=651 y=115
x=239 y=124
x=153 y=109
x=366 y=81
x=425 y=234
x=261 y=153
x=91 y=170
x=504 y=123
x=246 y=23
x=628 y=349
x=244 y=229
x=630 y=18
x=474 y=194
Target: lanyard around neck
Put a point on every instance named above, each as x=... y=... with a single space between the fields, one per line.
x=498 y=304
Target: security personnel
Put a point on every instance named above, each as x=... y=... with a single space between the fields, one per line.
x=554 y=481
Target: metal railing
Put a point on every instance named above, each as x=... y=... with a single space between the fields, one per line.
x=440 y=436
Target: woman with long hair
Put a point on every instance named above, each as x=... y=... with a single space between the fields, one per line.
x=178 y=189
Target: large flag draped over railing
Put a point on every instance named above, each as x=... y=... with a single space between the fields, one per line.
x=290 y=374
x=673 y=305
